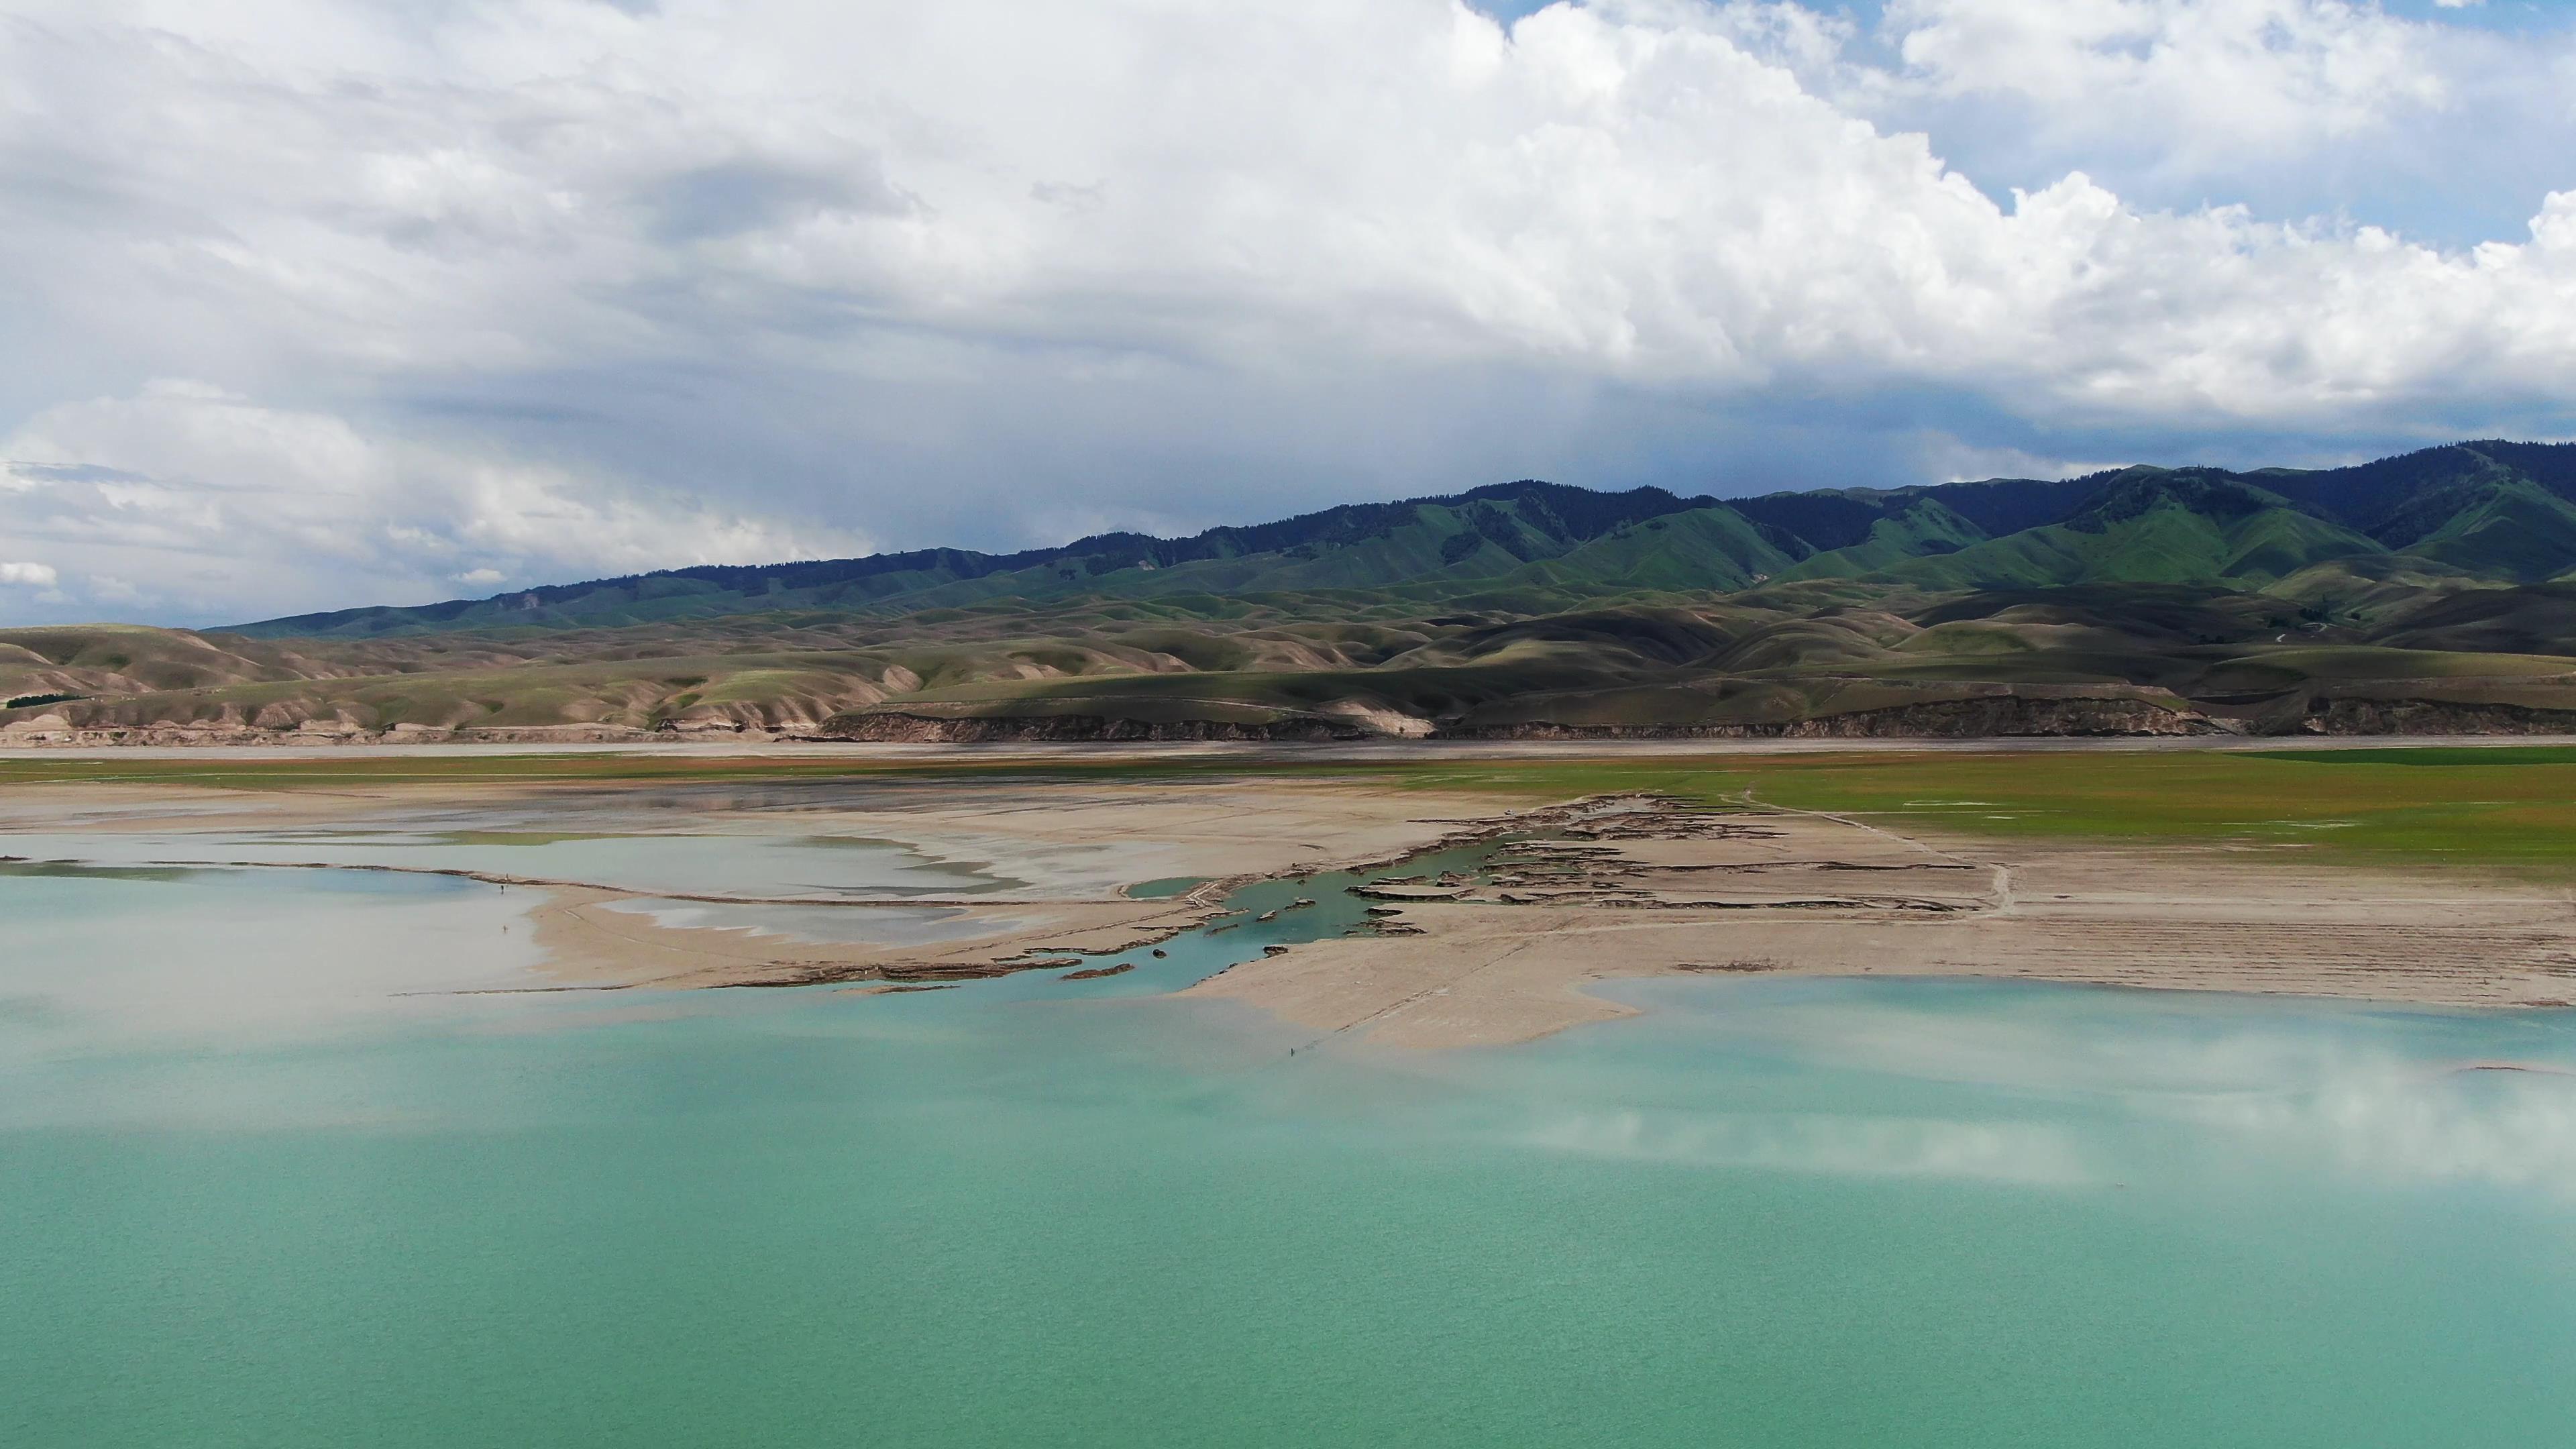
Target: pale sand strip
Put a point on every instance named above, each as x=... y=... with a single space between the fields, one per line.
x=587 y=941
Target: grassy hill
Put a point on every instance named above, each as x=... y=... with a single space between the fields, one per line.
x=2413 y=593
x=2494 y=512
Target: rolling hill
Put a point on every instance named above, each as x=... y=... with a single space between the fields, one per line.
x=2436 y=590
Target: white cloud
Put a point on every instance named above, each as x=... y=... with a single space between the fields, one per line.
x=28 y=575
x=921 y=269
x=2211 y=75
x=1622 y=187
x=244 y=507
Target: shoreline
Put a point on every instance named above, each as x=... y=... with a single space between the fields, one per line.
x=1623 y=884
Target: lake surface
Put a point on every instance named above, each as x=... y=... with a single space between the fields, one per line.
x=267 y=1181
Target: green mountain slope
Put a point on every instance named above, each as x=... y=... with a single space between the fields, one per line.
x=1705 y=549
x=2504 y=527
x=2486 y=511
x=2162 y=528
x=1927 y=527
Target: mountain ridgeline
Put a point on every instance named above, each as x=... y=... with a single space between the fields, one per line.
x=2429 y=593
x=2492 y=510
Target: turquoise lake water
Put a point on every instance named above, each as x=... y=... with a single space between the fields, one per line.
x=257 y=1191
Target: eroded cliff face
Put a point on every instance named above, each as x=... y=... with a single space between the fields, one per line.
x=1947 y=719
x=1944 y=719
x=1998 y=716
x=2349 y=716
x=1987 y=717
x=59 y=732
x=895 y=727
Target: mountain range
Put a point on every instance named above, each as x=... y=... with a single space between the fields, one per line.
x=2492 y=511
x=2433 y=591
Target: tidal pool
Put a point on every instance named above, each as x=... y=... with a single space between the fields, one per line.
x=266 y=1181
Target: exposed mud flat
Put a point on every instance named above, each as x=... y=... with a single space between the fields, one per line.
x=1664 y=890
x=1575 y=893
x=1067 y=850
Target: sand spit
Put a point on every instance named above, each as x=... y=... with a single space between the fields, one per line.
x=588 y=938
x=1673 y=891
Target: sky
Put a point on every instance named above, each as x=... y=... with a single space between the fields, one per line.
x=316 y=303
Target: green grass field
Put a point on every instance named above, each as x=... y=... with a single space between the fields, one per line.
x=2504 y=806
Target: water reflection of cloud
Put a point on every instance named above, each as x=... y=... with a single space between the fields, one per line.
x=2364 y=1094
x=2028 y=1154
x=2118 y=1047
x=2393 y=1119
